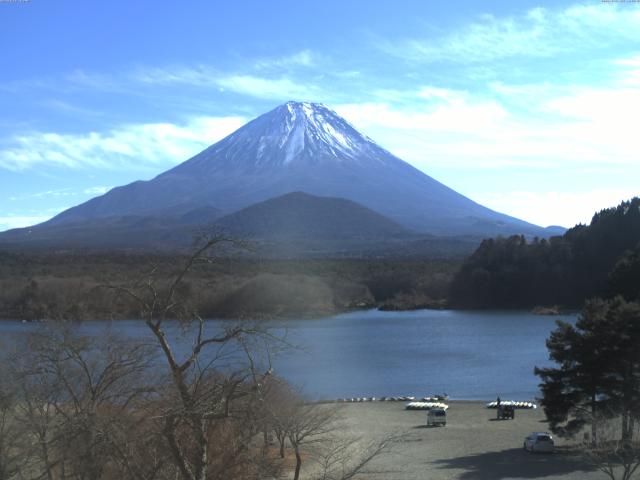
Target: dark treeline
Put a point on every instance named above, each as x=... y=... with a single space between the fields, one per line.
x=601 y=259
x=68 y=286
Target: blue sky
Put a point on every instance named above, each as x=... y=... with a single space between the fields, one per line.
x=530 y=108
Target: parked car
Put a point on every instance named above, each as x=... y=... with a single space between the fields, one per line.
x=506 y=412
x=539 y=442
x=436 y=417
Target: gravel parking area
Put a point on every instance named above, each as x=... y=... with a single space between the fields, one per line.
x=473 y=445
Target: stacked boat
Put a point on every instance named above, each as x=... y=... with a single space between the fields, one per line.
x=397 y=399
x=436 y=398
x=514 y=404
x=426 y=405
x=436 y=401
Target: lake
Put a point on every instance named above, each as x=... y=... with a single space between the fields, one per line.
x=468 y=354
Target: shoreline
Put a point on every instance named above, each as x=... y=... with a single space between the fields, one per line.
x=310 y=315
x=405 y=400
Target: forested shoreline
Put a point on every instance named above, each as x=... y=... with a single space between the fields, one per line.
x=601 y=259
x=72 y=286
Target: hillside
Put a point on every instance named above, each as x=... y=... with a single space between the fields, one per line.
x=295 y=225
x=300 y=215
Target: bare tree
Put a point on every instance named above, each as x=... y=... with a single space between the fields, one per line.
x=12 y=438
x=309 y=426
x=616 y=449
x=316 y=431
x=209 y=391
x=198 y=401
x=281 y=404
x=75 y=395
x=347 y=458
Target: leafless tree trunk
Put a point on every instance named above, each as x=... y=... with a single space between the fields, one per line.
x=616 y=452
x=309 y=426
x=316 y=435
x=76 y=392
x=204 y=395
x=12 y=438
x=347 y=458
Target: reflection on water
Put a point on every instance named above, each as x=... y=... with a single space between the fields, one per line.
x=467 y=354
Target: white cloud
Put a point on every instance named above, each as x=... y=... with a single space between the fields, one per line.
x=280 y=88
x=543 y=126
x=461 y=131
x=18 y=221
x=539 y=32
x=277 y=79
x=271 y=87
x=631 y=68
x=304 y=58
x=555 y=208
x=200 y=76
x=130 y=146
x=60 y=192
x=48 y=195
x=96 y=190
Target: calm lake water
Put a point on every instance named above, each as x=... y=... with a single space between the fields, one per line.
x=469 y=355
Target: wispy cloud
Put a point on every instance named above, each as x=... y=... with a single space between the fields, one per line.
x=60 y=192
x=562 y=208
x=68 y=108
x=280 y=88
x=271 y=87
x=540 y=126
x=96 y=190
x=631 y=67
x=277 y=78
x=20 y=221
x=91 y=80
x=303 y=58
x=131 y=146
x=538 y=33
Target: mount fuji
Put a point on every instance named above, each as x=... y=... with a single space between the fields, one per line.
x=297 y=147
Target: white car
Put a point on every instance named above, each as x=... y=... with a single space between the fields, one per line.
x=539 y=442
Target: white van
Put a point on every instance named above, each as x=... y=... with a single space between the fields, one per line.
x=436 y=417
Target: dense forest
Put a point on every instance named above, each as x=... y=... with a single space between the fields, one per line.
x=599 y=259
x=72 y=286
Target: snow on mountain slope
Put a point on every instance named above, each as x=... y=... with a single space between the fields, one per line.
x=292 y=133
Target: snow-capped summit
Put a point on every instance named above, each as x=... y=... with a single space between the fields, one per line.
x=301 y=147
x=295 y=132
x=313 y=129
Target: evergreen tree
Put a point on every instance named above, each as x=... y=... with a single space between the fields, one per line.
x=625 y=277
x=602 y=259
x=598 y=372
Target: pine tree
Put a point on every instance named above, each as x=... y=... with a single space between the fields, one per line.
x=598 y=372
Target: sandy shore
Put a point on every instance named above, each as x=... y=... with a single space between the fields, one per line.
x=473 y=445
